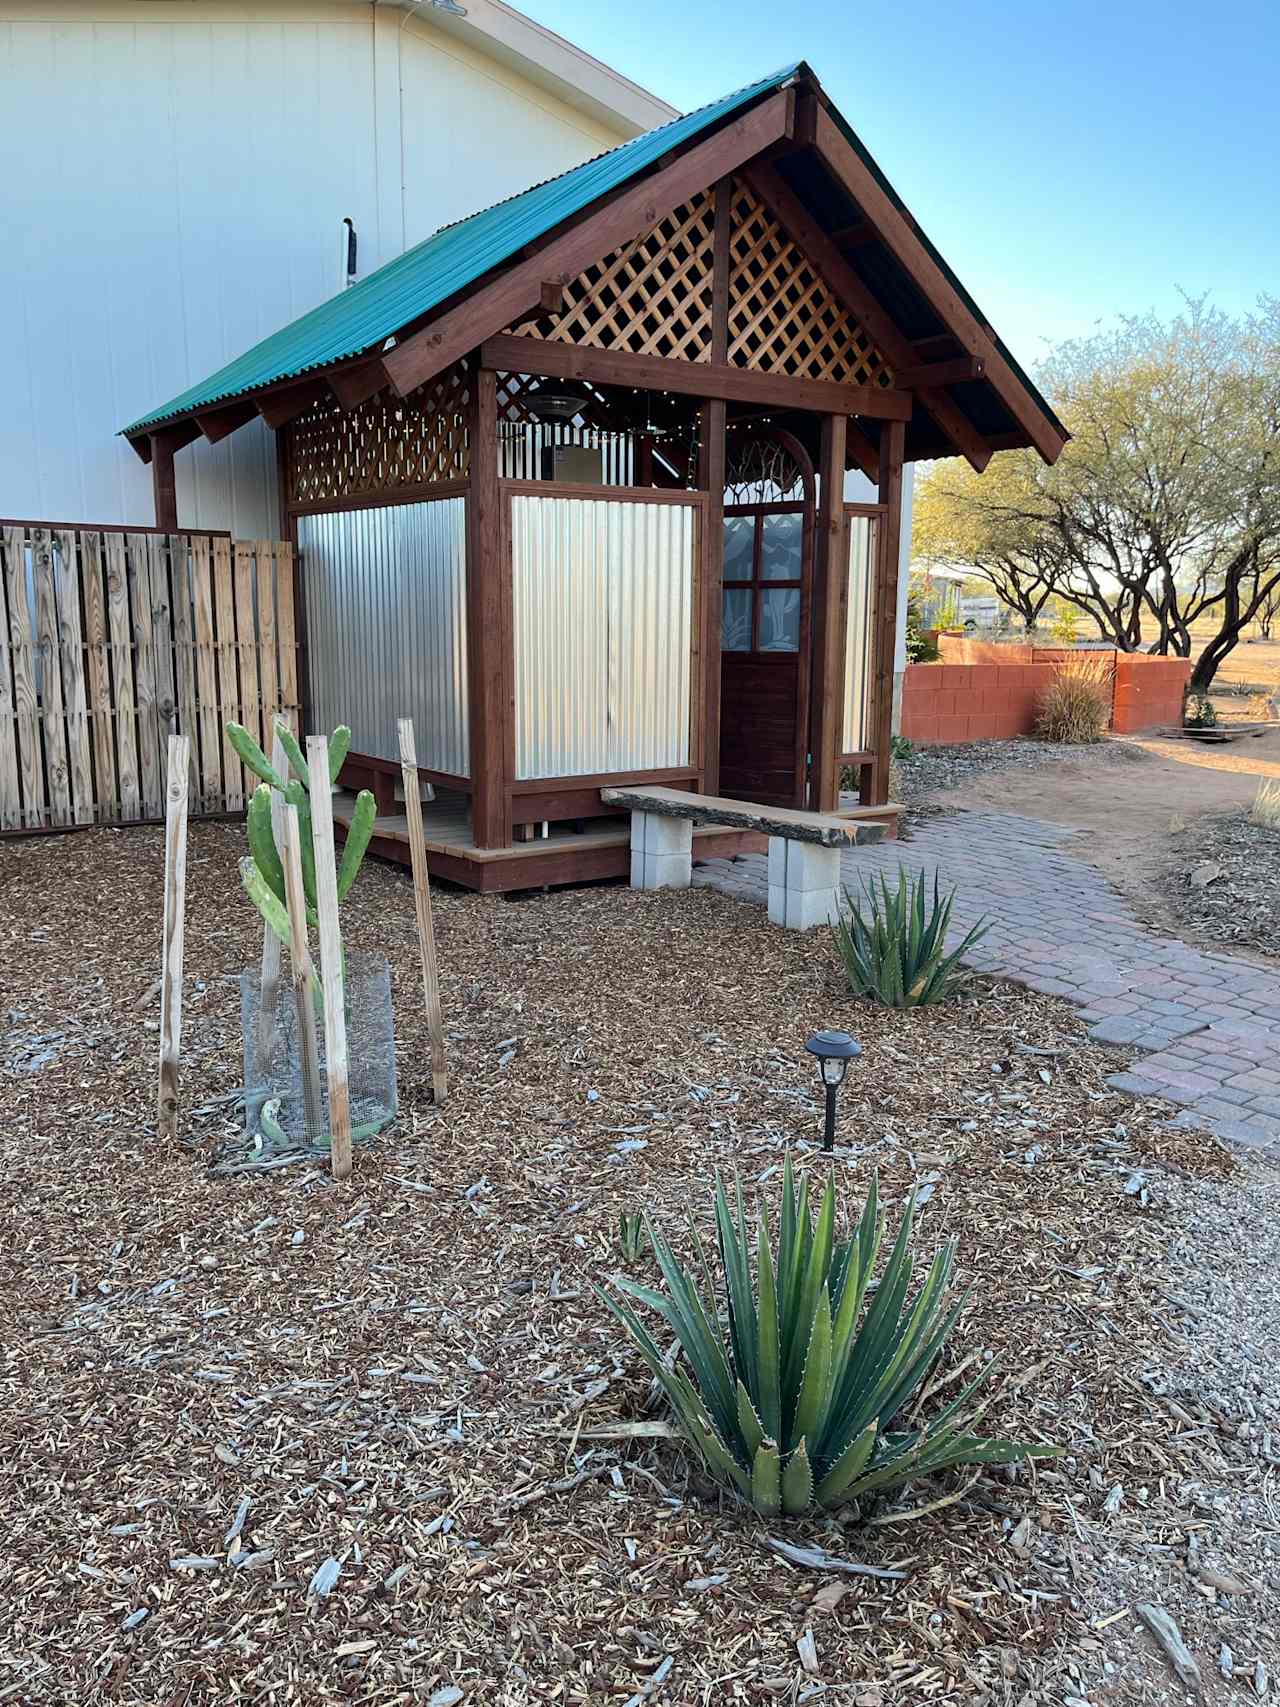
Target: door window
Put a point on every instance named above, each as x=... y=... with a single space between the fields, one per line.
x=763 y=573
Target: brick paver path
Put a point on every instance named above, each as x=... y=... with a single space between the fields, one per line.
x=1205 y=1028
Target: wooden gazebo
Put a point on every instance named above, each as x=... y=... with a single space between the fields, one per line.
x=566 y=482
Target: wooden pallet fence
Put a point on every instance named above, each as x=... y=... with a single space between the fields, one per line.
x=110 y=642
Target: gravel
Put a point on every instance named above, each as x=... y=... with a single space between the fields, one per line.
x=1223 y=882
x=930 y=770
x=1204 y=1544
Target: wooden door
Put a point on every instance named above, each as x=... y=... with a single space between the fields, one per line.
x=765 y=650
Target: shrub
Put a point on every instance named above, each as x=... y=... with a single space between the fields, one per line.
x=791 y=1392
x=1075 y=708
x=1199 y=712
x=900 y=747
x=920 y=648
x=1265 y=810
x=1065 y=626
x=894 y=952
x=1263 y=707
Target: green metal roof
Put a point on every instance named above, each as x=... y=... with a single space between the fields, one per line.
x=366 y=314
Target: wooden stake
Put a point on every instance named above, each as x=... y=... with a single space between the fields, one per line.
x=175 y=902
x=304 y=975
x=269 y=979
x=422 y=903
x=335 y=1024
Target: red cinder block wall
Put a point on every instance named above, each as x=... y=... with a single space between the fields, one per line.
x=985 y=692
x=1148 y=691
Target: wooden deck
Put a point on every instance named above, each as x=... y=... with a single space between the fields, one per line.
x=562 y=856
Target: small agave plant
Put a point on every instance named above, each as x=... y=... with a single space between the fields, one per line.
x=801 y=1397
x=894 y=945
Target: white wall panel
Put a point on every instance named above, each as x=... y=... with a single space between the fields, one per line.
x=173 y=180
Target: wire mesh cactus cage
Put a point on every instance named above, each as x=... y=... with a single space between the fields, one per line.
x=275 y=1109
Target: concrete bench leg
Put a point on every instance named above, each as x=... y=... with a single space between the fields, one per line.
x=804 y=884
x=661 y=851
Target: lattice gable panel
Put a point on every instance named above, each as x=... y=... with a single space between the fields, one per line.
x=381 y=446
x=651 y=297
x=783 y=315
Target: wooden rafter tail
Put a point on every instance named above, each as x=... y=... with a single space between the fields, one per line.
x=279 y=408
x=353 y=386
x=217 y=424
x=516 y=291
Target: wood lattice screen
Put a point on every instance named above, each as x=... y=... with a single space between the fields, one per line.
x=783 y=315
x=384 y=445
x=651 y=297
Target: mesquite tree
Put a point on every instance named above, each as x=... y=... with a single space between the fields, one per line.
x=1163 y=512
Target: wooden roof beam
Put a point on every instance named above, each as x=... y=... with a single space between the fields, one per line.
x=928 y=375
x=847 y=285
x=517 y=291
x=898 y=232
x=861 y=449
x=716 y=380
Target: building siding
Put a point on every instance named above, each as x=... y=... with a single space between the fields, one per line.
x=176 y=180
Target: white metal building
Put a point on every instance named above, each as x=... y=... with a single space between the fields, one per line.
x=174 y=180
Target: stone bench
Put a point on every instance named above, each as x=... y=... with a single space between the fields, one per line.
x=804 y=847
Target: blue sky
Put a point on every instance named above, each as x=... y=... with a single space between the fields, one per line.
x=1071 y=162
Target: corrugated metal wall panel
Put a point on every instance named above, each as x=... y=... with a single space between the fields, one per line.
x=857 y=646
x=650 y=617
x=386 y=627
x=603 y=595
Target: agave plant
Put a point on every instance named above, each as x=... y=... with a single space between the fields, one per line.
x=632 y=1235
x=896 y=951
x=801 y=1395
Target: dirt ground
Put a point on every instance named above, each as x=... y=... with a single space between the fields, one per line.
x=1132 y=807
x=1256 y=662
x=267 y=1440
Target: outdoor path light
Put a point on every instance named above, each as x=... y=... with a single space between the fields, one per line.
x=834 y=1051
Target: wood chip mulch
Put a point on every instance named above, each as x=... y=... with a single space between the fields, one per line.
x=272 y=1441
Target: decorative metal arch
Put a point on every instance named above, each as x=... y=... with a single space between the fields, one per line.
x=767 y=465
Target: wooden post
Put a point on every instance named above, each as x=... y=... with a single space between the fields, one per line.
x=489 y=639
x=164 y=484
x=303 y=973
x=830 y=613
x=711 y=473
x=885 y=611
x=175 y=901
x=269 y=978
x=711 y=479
x=422 y=904
x=335 y=1024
